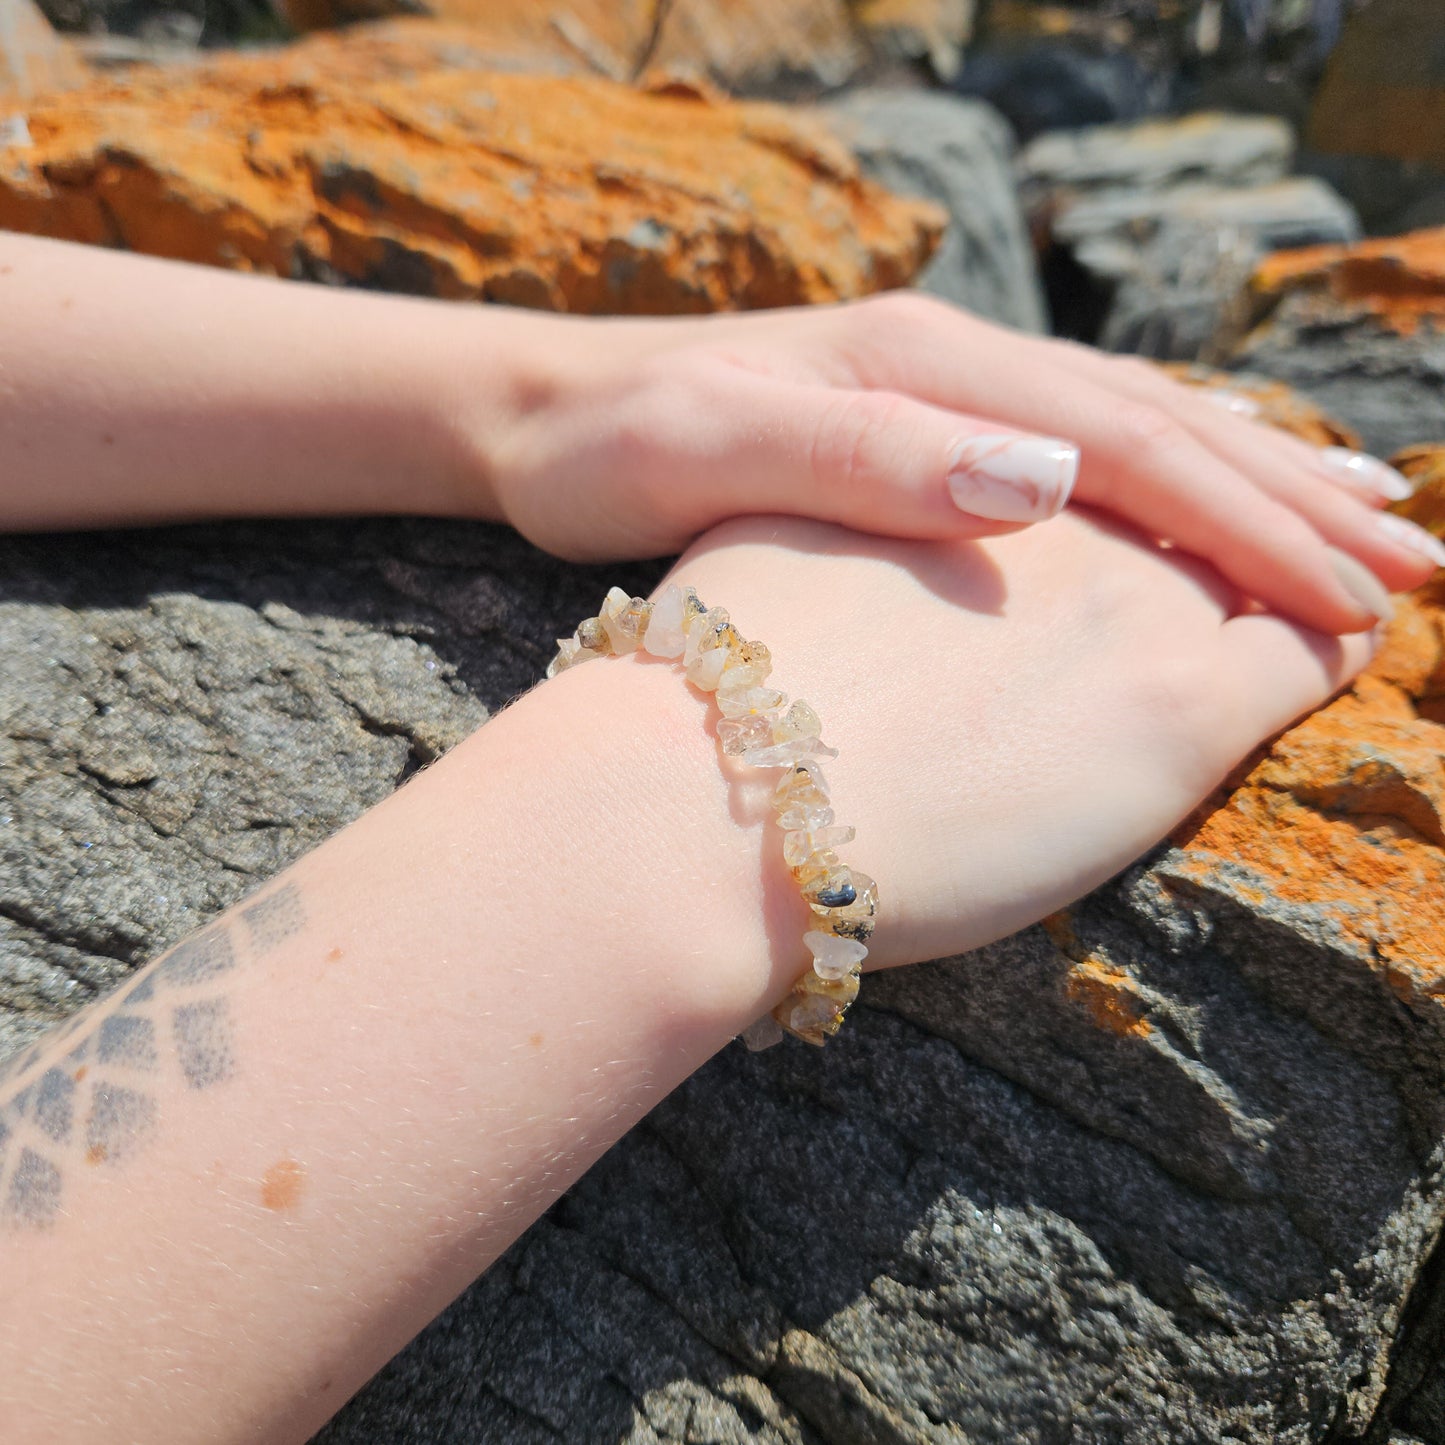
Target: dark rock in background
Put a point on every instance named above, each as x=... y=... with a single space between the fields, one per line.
x=960 y=154
x=1150 y=230
x=1361 y=329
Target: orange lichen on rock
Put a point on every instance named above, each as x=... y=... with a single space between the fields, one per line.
x=1345 y=812
x=568 y=194
x=1399 y=280
x=738 y=44
x=1108 y=994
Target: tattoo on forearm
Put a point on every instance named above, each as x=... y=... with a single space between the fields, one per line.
x=99 y=1104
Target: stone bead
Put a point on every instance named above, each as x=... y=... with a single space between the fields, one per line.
x=810 y=1013
x=802 y=844
x=706 y=668
x=624 y=619
x=692 y=607
x=738 y=702
x=782 y=755
x=848 y=917
x=831 y=890
x=800 y=721
x=701 y=632
x=762 y=1033
x=834 y=957
x=592 y=635
x=736 y=734
x=802 y=783
x=819 y=1020
x=569 y=653
x=749 y=666
x=805 y=815
x=664 y=636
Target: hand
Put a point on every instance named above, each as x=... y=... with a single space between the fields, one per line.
x=641 y=435
x=1016 y=719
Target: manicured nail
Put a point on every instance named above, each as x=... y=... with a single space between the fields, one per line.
x=1365 y=474
x=1233 y=401
x=1012 y=478
x=1362 y=585
x=1406 y=533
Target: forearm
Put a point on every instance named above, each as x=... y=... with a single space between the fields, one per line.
x=135 y=391
x=361 y=1087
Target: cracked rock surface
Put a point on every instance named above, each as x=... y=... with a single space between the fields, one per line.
x=1166 y=1167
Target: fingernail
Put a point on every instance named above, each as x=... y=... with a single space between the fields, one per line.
x=1365 y=473
x=1012 y=478
x=1362 y=585
x=1233 y=401
x=1407 y=534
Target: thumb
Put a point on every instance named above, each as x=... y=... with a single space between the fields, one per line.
x=882 y=462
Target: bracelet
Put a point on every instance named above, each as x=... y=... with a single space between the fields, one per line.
x=760 y=725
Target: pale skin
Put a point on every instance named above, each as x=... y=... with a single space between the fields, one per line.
x=141 y=391
x=253 y=1173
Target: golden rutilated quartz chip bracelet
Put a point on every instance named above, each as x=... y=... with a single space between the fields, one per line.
x=757 y=723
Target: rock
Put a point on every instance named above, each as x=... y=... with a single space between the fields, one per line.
x=1383 y=91
x=932 y=30
x=745 y=46
x=1207 y=149
x=1049 y=85
x=337 y=161
x=1360 y=328
x=33 y=58
x=1165 y=1168
x=1152 y=229
x=958 y=153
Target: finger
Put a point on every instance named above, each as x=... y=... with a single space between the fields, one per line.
x=1147 y=466
x=1218 y=415
x=881 y=462
x=1345 y=512
x=1284 y=671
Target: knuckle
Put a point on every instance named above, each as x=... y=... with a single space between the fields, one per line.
x=1148 y=432
x=909 y=308
x=1136 y=370
x=854 y=442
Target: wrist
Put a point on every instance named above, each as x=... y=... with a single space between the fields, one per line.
x=489 y=371
x=669 y=865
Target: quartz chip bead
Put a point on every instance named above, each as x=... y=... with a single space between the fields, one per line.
x=849 y=917
x=749 y=665
x=802 y=785
x=785 y=754
x=664 y=636
x=570 y=652
x=739 y=734
x=740 y=701
x=834 y=956
x=800 y=721
x=814 y=1009
x=801 y=845
x=624 y=619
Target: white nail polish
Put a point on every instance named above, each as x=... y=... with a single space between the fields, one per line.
x=1362 y=585
x=1365 y=474
x=1012 y=478
x=1233 y=401
x=1404 y=532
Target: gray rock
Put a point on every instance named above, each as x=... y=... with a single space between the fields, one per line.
x=1156 y=155
x=1388 y=385
x=1171 y=1171
x=960 y=154
x=1160 y=224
